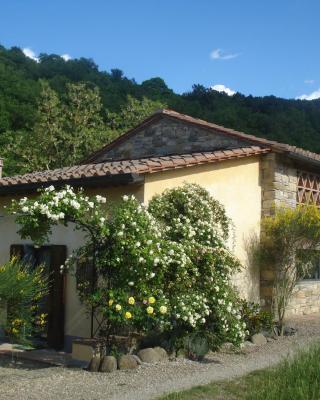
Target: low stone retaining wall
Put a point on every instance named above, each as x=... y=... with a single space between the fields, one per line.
x=306 y=299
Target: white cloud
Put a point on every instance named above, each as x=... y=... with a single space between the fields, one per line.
x=30 y=53
x=219 y=54
x=309 y=81
x=223 y=89
x=66 y=57
x=312 y=96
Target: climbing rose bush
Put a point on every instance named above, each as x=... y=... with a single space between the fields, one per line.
x=192 y=218
x=165 y=267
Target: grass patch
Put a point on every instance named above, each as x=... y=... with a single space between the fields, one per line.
x=297 y=378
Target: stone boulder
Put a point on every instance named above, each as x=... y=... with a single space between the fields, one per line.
x=259 y=339
x=162 y=354
x=127 y=362
x=149 y=355
x=108 y=364
x=94 y=364
x=139 y=362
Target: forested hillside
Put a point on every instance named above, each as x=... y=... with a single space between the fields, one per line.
x=55 y=112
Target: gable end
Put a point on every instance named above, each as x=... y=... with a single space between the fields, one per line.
x=166 y=136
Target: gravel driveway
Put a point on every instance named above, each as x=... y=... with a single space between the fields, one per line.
x=151 y=381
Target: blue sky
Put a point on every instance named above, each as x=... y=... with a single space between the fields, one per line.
x=251 y=46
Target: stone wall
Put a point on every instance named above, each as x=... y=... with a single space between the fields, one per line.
x=279 y=182
x=305 y=299
x=167 y=137
x=279 y=188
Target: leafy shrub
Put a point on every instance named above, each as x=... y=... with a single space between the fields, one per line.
x=288 y=244
x=256 y=319
x=22 y=290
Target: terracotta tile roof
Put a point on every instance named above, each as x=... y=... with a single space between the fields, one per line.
x=275 y=146
x=140 y=167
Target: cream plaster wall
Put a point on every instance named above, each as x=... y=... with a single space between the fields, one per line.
x=236 y=184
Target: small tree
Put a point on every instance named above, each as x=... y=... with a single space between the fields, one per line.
x=22 y=290
x=289 y=242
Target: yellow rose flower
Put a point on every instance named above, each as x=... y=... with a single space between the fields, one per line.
x=163 y=309
x=152 y=300
x=131 y=300
x=128 y=315
x=110 y=302
x=150 y=310
x=118 y=307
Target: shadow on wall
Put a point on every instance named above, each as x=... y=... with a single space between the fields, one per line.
x=251 y=266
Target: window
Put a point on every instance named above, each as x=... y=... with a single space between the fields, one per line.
x=308 y=190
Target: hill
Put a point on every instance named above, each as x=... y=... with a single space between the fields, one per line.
x=54 y=102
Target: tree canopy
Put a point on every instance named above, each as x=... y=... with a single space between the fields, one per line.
x=85 y=102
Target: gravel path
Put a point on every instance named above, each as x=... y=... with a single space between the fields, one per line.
x=151 y=381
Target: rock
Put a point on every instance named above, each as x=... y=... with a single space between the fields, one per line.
x=94 y=364
x=149 y=355
x=127 y=362
x=248 y=344
x=162 y=354
x=225 y=347
x=258 y=339
x=139 y=362
x=288 y=331
x=108 y=364
x=270 y=339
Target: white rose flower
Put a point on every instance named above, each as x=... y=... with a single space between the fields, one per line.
x=25 y=209
x=125 y=198
x=101 y=199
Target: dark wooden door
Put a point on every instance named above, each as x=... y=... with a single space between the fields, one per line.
x=51 y=257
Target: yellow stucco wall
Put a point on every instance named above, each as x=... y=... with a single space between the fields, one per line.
x=234 y=183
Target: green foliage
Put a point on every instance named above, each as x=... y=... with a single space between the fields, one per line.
x=22 y=290
x=120 y=104
x=288 y=245
x=132 y=113
x=256 y=319
x=148 y=275
x=197 y=346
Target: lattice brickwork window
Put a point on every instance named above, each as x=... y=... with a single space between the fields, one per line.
x=308 y=188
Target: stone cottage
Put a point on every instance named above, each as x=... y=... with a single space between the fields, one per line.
x=247 y=174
